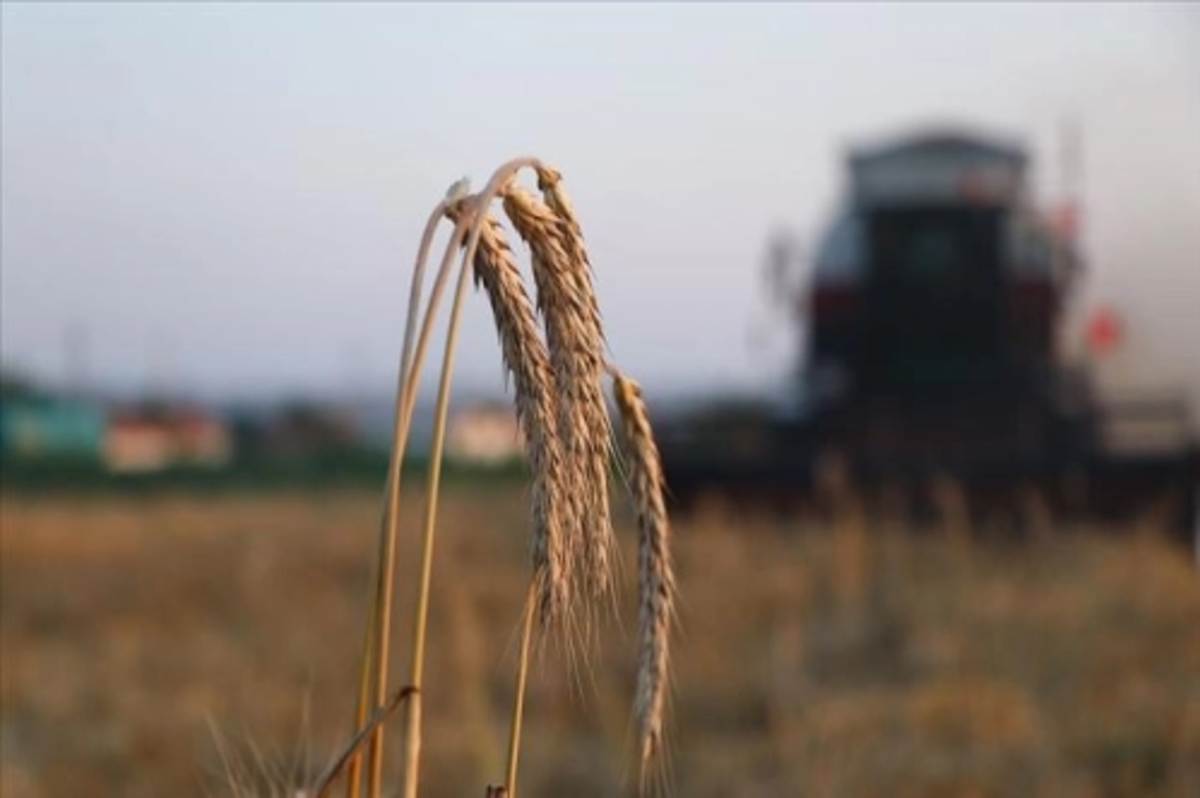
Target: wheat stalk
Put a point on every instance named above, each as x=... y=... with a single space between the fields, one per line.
x=376 y=642
x=575 y=339
x=559 y=399
x=476 y=217
x=656 y=577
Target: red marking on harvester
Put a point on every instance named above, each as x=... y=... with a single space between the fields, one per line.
x=1105 y=331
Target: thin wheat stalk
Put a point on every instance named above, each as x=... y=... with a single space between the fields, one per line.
x=656 y=577
x=559 y=398
x=366 y=693
x=576 y=343
x=453 y=211
x=377 y=639
x=514 y=734
x=353 y=749
x=412 y=714
x=379 y=616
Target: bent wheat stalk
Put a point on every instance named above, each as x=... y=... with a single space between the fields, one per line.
x=350 y=754
x=518 y=712
x=412 y=708
x=376 y=640
x=412 y=713
x=560 y=406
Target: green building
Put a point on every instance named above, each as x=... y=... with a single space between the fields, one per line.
x=45 y=428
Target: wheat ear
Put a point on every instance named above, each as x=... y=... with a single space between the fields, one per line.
x=576 y=344
x=600 y=545
x=656 y=577
x=527 y=361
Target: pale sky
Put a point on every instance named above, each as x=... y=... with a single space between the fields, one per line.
x=229 y=197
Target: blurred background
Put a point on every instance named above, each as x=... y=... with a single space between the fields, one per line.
x=882 y=270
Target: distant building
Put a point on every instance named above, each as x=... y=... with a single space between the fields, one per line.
x=487 y=434
x=203 y=439
x=47 y=428
x=137 y=443
x=159 y=438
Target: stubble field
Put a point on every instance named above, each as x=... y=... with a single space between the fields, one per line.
x=207 y=645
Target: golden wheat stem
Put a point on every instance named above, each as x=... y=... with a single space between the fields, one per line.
x=414 y=295
x=514 y=734
x=412 y=715
x=496 y=182
x=365 y=693
x=465 y=224
x=353 y=750
x=409 y=394
x=376 y=643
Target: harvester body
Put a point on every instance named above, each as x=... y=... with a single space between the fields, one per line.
x=932 y=328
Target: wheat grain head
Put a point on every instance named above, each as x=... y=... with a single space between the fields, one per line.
x=656 y=576
x=527 y=362
x=573 y=334
x=599 y=545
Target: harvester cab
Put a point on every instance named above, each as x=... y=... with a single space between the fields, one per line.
x=937 y=276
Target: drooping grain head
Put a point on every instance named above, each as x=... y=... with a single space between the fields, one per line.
x=575 y=339
x=553 y=194
x=656 y=575
x=527 y=361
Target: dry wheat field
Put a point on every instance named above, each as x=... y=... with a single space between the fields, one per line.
x=206 y=645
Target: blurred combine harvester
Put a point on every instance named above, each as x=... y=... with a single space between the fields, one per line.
x=932 y=323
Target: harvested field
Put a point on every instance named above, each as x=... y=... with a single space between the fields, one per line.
x=141 y=636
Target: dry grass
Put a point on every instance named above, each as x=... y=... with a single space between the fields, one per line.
x=1068 y=669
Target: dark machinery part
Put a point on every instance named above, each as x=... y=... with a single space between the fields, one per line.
x=931 y=326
